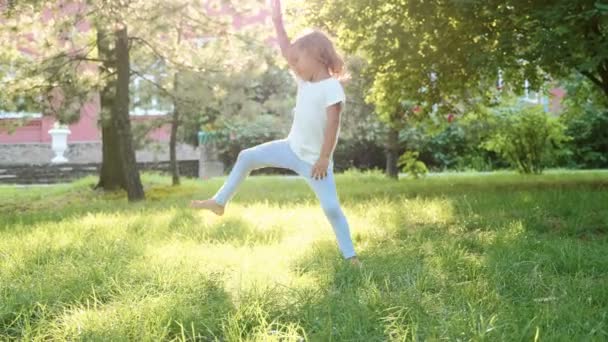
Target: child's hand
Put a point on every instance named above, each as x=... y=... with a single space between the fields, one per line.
x=319 y=170
x=276 y=9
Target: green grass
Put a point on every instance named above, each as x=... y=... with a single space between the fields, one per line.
x=450 y=257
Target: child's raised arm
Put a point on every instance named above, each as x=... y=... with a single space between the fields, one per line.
x=277 y=19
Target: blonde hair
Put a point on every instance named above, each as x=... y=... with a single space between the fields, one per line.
x=317 y=42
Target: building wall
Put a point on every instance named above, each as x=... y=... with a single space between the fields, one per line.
x=63 y=173
x=87 y=152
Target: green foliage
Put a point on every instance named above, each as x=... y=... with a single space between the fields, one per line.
x=362 y=133
x=456 y=147
x=526 y=137
x=410 y=164
x=589 y=145
x=378 y=33
x=359 y=153
x=236 y=98
x=586 y=119
x=271 y=94
x=359 y=120
x=56 y=59
x=465 y=43
x=244 y=133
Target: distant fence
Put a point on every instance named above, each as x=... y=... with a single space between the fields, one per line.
x=61 y=173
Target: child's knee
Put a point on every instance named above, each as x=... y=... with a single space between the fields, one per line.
x=245 y=156
x=333 y=211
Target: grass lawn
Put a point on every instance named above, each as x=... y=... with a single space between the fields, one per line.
x=497 y=257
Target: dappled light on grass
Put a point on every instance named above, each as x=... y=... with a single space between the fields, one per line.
x=443 y=258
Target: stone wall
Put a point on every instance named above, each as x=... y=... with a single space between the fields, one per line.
x=210 y=165
x=86 y=152
x=62 y=173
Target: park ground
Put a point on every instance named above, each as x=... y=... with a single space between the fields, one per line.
x=496 y=257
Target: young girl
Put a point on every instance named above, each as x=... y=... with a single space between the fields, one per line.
x=308 y=149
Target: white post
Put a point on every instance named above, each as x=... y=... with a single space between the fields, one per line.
x=59 y=143
x=500 y=80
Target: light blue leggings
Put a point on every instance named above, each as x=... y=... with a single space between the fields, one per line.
x=277 y=153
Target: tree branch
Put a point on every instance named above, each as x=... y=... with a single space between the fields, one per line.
x=180 y=66
x=86 y=59
x=592 y=77
x=173 y=97
x=155 y=84
x=167 y=10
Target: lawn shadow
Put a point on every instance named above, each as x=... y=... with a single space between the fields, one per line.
x=152 y=307
x=229 y=229
x=542 y=278
x=103 y=287
x=51 y=277
x=271 y=190
x=498 y=255
x=357 y=304
x=482 y=271
x=240 y=232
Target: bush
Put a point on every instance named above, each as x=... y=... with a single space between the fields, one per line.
x=360 y=154
x=245 y=134
x=585 y=115
x=589 y=145
x=349 y=153
x=409 y=163
x=526 y=137
x=457 y=147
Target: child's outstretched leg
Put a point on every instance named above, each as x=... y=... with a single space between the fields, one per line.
x=325 y=189
x=274 y=153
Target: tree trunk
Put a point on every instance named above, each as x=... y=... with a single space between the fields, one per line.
x=172 y=147
x=175 y=123
x=120 y=118
x=111 y=176
x=604 y=76
x=392 y=151
x=173 y=138
x=601 y=79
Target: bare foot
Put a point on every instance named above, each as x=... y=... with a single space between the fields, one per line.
x=355 y=262
x=208 y=204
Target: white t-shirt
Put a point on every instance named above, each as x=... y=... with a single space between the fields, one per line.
x=310 y=117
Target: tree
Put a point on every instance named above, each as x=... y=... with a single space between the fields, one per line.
x=205 y=71
x=586 y=119
x=183 y=41
x=54 y=71
x=449 y=52
x=526 y=137
x=111 y=176
x=378 y=32
x=114 y=42
x=526 y=39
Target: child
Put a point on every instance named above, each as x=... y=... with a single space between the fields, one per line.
x=308 y=149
